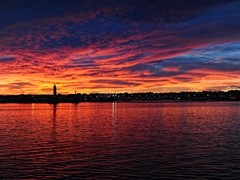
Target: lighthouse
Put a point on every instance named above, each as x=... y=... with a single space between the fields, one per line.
x=54 y=91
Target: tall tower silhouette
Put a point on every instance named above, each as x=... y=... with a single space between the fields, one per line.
x=54 y=90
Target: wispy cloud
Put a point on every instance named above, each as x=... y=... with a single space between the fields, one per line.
x=7 y=58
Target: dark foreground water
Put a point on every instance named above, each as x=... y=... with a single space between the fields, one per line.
x=196 y=140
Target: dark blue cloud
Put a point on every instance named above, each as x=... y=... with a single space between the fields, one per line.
x=7 y=58
x=115 y=82
x=221 y=58
x=219 y=23
x=137 y=11
x=108 y=24
x=224 y=57
x=81 y=63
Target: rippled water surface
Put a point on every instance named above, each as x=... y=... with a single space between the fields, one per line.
x=195 y=140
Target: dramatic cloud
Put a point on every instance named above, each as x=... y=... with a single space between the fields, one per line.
x=135 y=46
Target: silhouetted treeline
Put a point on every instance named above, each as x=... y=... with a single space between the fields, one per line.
x=233 y=95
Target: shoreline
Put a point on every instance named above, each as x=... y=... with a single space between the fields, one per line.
x=106 y=101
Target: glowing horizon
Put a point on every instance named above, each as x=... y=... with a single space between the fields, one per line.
x=121 y=46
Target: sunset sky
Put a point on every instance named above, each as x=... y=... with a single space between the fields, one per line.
x=113 y=46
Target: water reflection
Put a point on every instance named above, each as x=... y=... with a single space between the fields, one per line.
x=54 y=133
x=74 y=106
x=114 y=119
x=32 y=107
x=114 y=113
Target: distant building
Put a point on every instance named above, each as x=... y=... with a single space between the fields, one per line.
x=54 y=91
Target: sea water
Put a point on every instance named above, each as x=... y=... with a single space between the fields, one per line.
x=133 y=140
